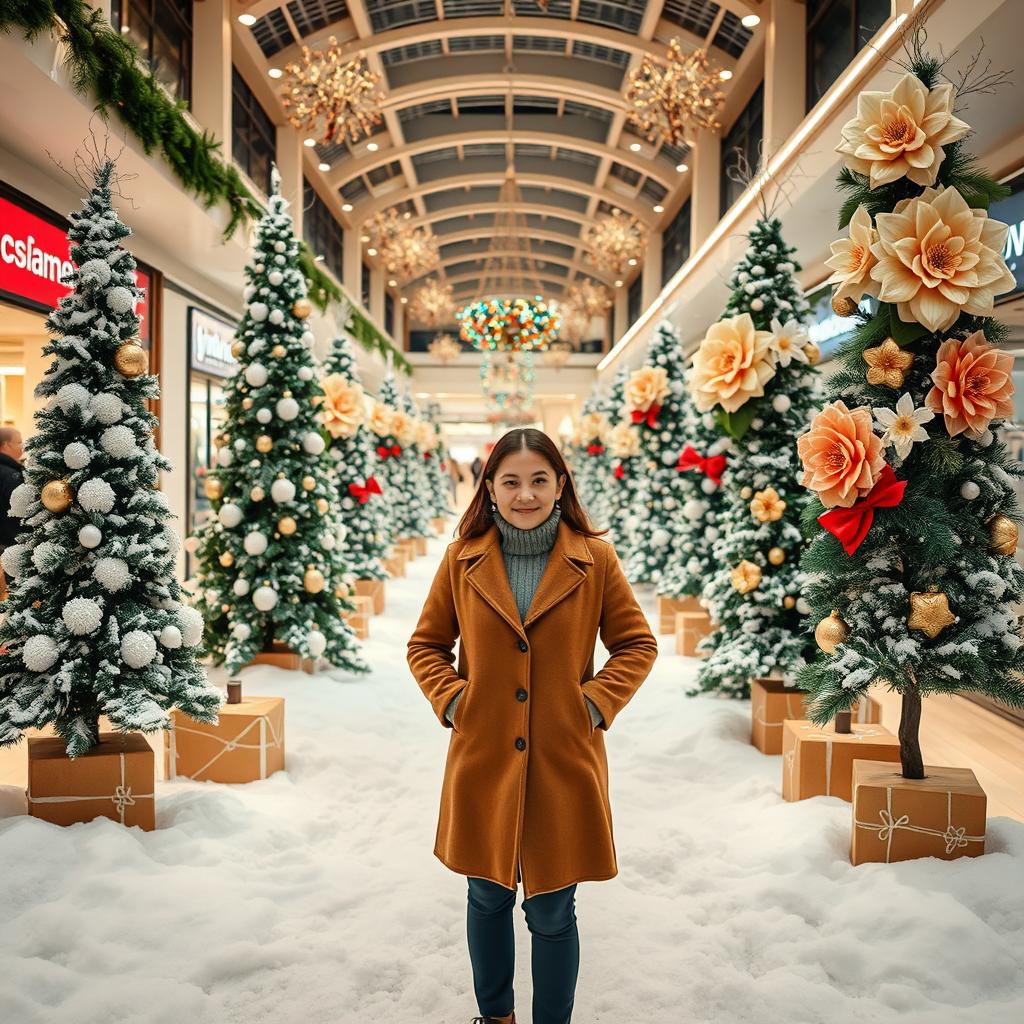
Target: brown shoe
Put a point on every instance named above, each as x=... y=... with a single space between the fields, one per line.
x=510 y=1019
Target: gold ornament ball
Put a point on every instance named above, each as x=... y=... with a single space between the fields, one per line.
x=246 y=403
x=286 y=525
x=313 y=581
x=238 y=349
x=277 y=351
x=222 y=440
x=747 y=493
x=813 y=353
x=302 y=308
x=789 y=601
x=341 y=590
x=308 y=483
x=831 y=632
x=226 y=559
x=213 y=488
x=776 y=556
x=844 y=306
x=257 y=493
x=264 y=443
x=1003 y=535
x=225 y=608
x=130 y=360
x=57 y=496
x=929 y=612
x=322 y=506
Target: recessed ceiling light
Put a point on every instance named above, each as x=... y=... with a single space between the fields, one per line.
x=658 y=208
x=323 y=166
x=750 y=20
x=247 y=19
x=725 y=75
x=392 y=283
x=275 y=72
x=371 y=251
x=125 y=30
x=364 y=238
x=632 y=261
x=403 y=300
x=309 y=142
x=635 y=147
x=618 y=284
x=372 y=147
x=347 y=207
x=407 y=215
x=682 y=168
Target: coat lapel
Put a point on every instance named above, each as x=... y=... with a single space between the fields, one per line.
x=565 y=570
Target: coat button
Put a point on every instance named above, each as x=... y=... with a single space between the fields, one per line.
x=520 y=694
x=523 y=645
x=520 y=743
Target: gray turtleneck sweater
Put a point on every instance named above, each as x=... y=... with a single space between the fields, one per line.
x=526 y=554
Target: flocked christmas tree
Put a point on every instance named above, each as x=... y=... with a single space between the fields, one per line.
x=755 y=373
x=94 y=624
x=915 y=522
x=271 y=568
x=363 y=504
x=626 y=483
x=592 y=465
x=435 y=464
x=421 y=467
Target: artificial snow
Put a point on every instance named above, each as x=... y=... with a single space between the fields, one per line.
x=314 y=897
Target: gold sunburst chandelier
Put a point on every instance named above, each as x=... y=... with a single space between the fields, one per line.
x=669 y=101
x=405 y=251
x=557 y=354
x=588 y=297
x=331 y=96
x=614 y=240
x=445 y=349
x=432 y=303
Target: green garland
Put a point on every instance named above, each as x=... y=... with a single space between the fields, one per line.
x=107 y=65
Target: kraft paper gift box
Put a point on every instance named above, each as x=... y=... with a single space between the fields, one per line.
x=941 y=815
x=819 y=762
x=115 y=779
x=280 y=656
x=438 y=524
x=359 y=619
x=373 y=589
x=409 y=547
x=395 y=565
x=421 y=545
x=667 y=608
x=867 y=711
x=691 y=628
x=247 y=743
x=771 y=703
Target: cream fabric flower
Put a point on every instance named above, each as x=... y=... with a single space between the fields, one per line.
x=426 y=435
x=380 y=419
x=403 y=427
x=788 y=341
x=903 y=426
x=342 y=406
x=732 y=365
x=593 y=427
x=852 y=259
x=646 y=387
x=901 y=132
x=624 y=441
x=937 y=256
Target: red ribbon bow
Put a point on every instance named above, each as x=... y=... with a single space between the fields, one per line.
x=384 y=451
x=850 y=525
x=650 y=417
x=619 y=471
x=712 y=467
x=595 y=449
x=363 y=492
x=426 y=455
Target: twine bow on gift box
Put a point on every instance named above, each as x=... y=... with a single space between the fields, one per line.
x=363 y=491
x=121 y=798
x=953 y=836
x=712 y=467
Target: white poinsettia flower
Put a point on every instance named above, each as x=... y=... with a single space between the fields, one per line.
x=903 y=425
x=789 y=341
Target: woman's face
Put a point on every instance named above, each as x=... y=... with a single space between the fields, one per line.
x=525 y=488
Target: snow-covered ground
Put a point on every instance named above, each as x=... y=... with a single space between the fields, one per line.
x=314 y=897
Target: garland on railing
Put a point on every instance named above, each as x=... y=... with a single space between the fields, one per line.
x=108 y=66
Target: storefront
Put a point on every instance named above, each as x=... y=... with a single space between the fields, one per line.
x=34 y=261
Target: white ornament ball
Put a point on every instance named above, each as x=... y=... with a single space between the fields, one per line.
x=287 y=409
x=279 y=246
x=264 y=416
x=693 y=509
x=76 y=455
x=96 y=495
x=82 y=615
x=275 y=277
x=781 y=403
x=280 y=260
x=265 y=598
x=711 y=533
x=660 y=538
x=229 y=514
x=112 y=574
x=225 y=457
x=118 y=442
x=316 y=642
x=240 y=445
x=276 y=317
x=191 y=624
x=328 y=542
x=668 y=503
x=756 y=424
x=757 y=305
x=119 y=300
x=240 y=587
x=255 y=543
x=39 y=653
x=94 y=274
x=256 y=375
x=21 y=498
x=170 y=637
x=138 y=649
x=802 y=606
x=241 y=631
x=313 y=443
x=72 y=396
x=708 y=486
x=969 y=490
x=632 y=522
x=106 y=408
x=304 y=373
x=258 y=311
x=308 y=339
x=12 y=559
x=669 y=458
x=282 y=491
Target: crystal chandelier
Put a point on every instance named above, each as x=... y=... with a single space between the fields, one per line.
x=668 y=102
x=445 y=349
x=332 y=97
x=614 y=240
x=588 y=297
x=432 y=303
x=405 y=252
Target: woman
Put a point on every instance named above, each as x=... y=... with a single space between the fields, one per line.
x=528 y=585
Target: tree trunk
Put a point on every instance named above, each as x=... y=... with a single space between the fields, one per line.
x=842 y=720
x=910 y=743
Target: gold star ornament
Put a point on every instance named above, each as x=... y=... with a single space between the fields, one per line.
x=929 y=612
x=887 y=364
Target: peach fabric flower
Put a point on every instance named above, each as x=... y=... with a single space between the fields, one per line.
x=403 y=427
x=426 y=435
x=973 y=385
x=937 y=256
x=767 y=506
x=901 y=132
x=732 y=364
x=852 y=259
x=593 y=427
x=342 y=406
x=624 y=441
x=842 y=457
x=380 y=419
x=646 y=387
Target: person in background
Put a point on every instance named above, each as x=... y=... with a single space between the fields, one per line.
x=11 y=475
x=475 y=468
x=454 y=479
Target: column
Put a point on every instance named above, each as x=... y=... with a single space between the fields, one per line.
x=352 y=261
x=785 y=71
x=621 y=314
x=289 y=164
x=211 y=70
x=377 y=288
x=651 y=287
x=705 y=167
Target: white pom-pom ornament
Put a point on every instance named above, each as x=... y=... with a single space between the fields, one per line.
x=112 y=574
x=191 y=625
x=21 y=498
x=170 y=637
x=693 y=509
x=39 y=653
x=275 y=277
x=282 y=490
x=258 y=311
x=264 y=416
x=106 y=408
x=781 y=403
x=313 y=443
x=12 y=559
x=76 y=455
x=118 y=442
x=305 y=373
x=225 y=457
x=265 y=598
x=256 y=375
x=276 y=317
x=969 y=490
x=316 y=642
x=138 y=649
x=660 y=538
x=308 y=339
x=279 y=246
x=708 y=486
x=669 y=458
x=82 y=615
x=229 y=514
x=73 y=396
x=94 y=274
x=255 y=543
x=287 y=409
x=96 y=495
x=240 y=587
x=802 y=606
x=241 y=631
x=119 y=300
x=328 y=542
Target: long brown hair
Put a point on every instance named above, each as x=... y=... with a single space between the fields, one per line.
x=477 y=519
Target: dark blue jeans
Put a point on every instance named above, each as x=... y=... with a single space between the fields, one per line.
x=551 y=919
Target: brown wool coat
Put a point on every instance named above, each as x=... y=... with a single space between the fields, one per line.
x=544 y=808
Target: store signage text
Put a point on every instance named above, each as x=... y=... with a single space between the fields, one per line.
x=1011 y=212
x=211 y=344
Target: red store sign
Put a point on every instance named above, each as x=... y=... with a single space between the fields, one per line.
x=35 y=258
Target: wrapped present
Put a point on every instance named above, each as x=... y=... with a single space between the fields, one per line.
x=395 y=565
x=439 y=523
x=941 y=815
x=359 y=619
x=420 y=545
x=115 y=779
x=667 y=608
x=280 y=655
x=373 y=589
x=771 y=703
x=409 y=549
x=867 y=711
x=247 y=743
x=819 y=762
x=691 y=628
